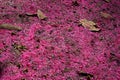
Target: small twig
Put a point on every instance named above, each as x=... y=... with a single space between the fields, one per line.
x=29 y=15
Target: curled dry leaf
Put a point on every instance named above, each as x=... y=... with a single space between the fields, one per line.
x=41 y=15
x=105 y=15
x=10 y=27
x=89 y=25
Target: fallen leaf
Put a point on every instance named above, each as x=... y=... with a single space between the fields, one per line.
x=107 y=0
x=41 y=15
x=18 y=48
x=105 y=15
x=88 y=76
x=10 y=27
x=89 y=25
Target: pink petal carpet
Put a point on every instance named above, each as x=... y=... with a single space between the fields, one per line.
x=58 y=47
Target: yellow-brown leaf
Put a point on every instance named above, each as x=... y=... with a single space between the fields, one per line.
x=89 y=25
x=105 y=15
x=41 y=15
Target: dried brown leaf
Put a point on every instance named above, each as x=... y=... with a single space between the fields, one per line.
x=89 y=25
x=10 y=27
x=18 y=48
x=41 y=15
x=105 y=15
